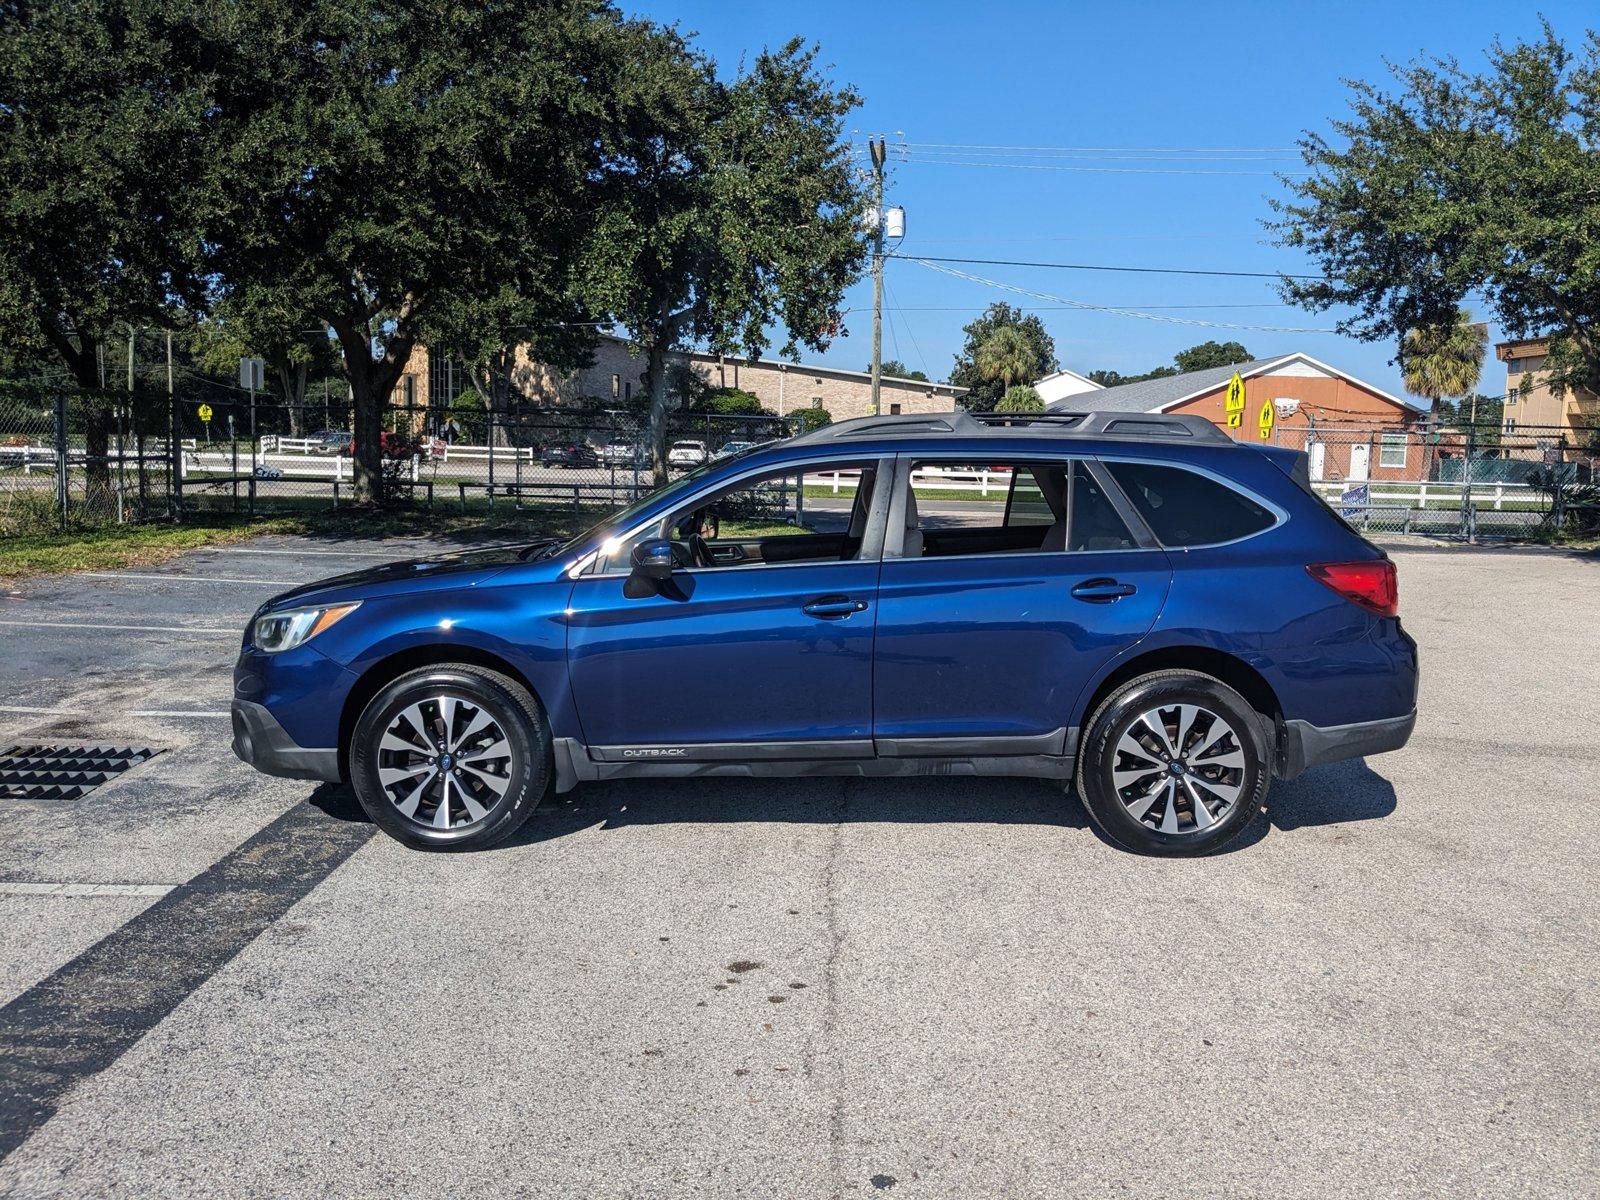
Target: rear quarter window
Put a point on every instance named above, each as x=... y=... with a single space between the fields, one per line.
x=1183 y=508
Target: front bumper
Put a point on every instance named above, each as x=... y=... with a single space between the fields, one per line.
x=1307 y=745
x=259 y=740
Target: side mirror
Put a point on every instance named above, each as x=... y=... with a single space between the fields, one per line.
x=652 y=559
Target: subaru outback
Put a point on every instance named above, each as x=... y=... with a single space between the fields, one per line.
x=1136 y=605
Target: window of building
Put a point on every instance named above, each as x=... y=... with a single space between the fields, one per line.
x=816 y=402
x=447 y=379
x=1392 y=450
x=894 y=410
x=408 y=390
x=616 y=387
x=627 y=391
x=1186 y=509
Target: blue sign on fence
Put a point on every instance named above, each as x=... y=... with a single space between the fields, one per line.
x=1354 y=500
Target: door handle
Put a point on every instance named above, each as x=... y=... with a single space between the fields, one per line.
x=834 y=606
x=1102 y=591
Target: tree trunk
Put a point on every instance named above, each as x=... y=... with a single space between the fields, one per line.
x=82 y=358
x=372 y=382
x=656 y=381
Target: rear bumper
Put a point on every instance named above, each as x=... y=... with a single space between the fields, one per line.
x=1307 y=745
x=259 y=740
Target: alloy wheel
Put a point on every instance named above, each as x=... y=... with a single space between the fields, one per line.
x=1179 y=768
x=445 y=762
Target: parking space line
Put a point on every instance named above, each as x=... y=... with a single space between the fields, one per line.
x=161 y=712
x=296 y=553
x=189 y=578
x=24 y=710
x=80 y=890
x=77 y=1022
x=203 y=629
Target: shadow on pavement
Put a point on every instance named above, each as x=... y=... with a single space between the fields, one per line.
x=1337 y=794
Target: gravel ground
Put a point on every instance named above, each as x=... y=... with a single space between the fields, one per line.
x=939 y=987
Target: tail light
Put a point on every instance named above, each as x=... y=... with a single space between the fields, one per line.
x=1374 y=584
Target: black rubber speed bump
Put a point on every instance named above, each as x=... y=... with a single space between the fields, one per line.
x=63 y=772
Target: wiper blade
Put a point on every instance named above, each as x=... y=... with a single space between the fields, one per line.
x=543 y=548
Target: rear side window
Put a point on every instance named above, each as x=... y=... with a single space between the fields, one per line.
x=1095 y=523
x=1186 y=509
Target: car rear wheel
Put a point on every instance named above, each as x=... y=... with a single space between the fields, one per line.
x=1175 y=763
x=451 y=757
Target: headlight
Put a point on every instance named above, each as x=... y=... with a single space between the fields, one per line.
x=280 y=631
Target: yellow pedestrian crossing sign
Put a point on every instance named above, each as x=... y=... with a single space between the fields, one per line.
x=205 y=413
x=1266 y=420
x=1235 y=401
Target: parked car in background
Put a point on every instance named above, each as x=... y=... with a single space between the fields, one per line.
x=396 y=446
x=732 y=448
x=568 y=454
x=1160 y=616
x=624 y=454
x=687 y=454
x=330 y=441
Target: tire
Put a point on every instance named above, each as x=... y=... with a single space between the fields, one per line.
x=1143 y=802
x=402 y=778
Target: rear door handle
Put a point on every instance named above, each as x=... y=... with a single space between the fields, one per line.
x=834 y=606
x=1101 y=591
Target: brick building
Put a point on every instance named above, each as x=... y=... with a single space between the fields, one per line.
x=1351 y=429
x=617 y=378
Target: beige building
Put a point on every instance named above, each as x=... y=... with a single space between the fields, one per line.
x=1529 y=402
x=617 y=377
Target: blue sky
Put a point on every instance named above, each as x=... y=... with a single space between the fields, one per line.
x=1134 y=76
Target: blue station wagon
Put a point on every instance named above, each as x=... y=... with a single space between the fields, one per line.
x=1135 y=604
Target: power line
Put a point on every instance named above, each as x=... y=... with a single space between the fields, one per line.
x=956 y=162
x=1113 y=149
x=1059 y=266
x=1114 y=311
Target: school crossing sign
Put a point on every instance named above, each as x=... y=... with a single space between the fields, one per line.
x=1234 y=405
x=1265 y=421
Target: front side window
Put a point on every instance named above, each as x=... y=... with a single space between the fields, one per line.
x=1184 y=508
x=786 y=517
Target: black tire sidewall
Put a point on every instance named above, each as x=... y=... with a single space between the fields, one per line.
x=518 y=716
x=1113 y=719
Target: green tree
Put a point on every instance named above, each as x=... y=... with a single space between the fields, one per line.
x=893 y=366
x=729 y=402
x=984 y=392
x=732 y=208
x=104 y=106
x=1020 y=399
x=1210 y=354
x=807 y=419
x=1444 y=362
x=1460 y=183
x=395 y=171
x=1005 y=357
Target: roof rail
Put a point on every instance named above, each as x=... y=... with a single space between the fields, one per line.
x=1141 y=426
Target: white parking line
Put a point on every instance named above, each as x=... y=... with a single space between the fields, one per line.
x=24 y=710
x=85 y=889
x=205 y=629
x=298 y=553
x=191 y=579
x=160 y=712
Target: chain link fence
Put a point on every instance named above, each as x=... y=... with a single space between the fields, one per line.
x=1466 y=481
x=75 y=456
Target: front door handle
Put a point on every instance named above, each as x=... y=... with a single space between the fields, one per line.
x=1101 y=591
x=834 y=606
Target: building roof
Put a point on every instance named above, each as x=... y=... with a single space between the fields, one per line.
x=813 y=369
x=1065 y=373
x=1158 y=395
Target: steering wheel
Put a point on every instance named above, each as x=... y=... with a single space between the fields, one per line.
x=692 y=552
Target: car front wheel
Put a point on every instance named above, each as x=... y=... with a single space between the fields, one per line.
x=451 y=757
x=1174 y=763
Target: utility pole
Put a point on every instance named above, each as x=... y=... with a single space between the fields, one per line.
x=878 y=150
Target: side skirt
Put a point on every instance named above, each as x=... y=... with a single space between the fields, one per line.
x=576 y=763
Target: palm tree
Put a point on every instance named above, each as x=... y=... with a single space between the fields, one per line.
x=1020 y=399
x=1444 y=361
x=1005 y=356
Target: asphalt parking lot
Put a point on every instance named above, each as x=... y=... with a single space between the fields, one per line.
x=219 y=984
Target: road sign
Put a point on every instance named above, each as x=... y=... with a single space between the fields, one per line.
x=1234 y=404
x=205 y=413
x=252 y=372
x=1267 y=419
